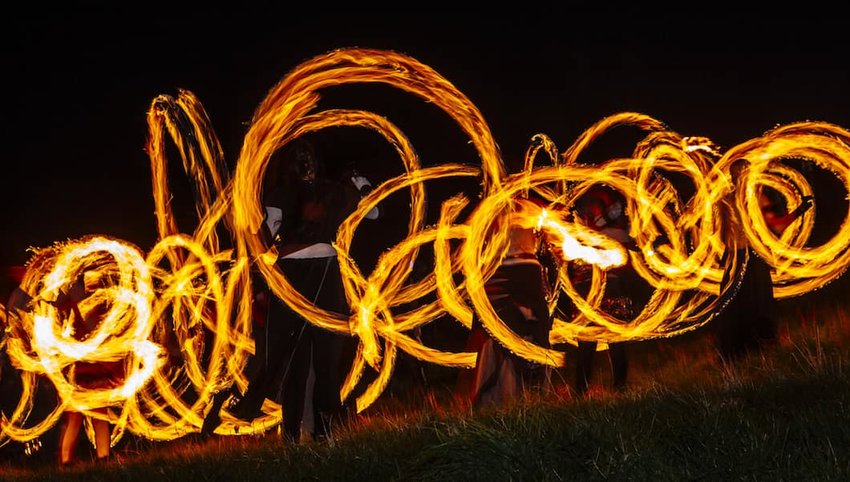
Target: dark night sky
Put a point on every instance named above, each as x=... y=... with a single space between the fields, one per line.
x=80 y=80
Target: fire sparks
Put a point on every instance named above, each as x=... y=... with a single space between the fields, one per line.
x=180 y=318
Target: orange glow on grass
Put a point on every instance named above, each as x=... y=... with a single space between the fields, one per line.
x=181 y=316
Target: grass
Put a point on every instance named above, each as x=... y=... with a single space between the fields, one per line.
x=781 y=414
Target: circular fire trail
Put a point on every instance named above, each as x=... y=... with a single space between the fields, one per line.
x=178 y=318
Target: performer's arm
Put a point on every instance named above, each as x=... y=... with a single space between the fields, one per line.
x=364 y=187
x=279 y=208
x=778 y=224
x=270 y=228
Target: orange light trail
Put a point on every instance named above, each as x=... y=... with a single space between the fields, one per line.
x=180 y=317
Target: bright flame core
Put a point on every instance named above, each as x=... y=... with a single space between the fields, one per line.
x=180 y=318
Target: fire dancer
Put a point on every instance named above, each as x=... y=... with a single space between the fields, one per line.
x=603 y=209
x=88 y=375
x=747 y=317
x=303 y=213
x=518 y=291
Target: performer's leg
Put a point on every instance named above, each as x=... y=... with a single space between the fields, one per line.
x=510 y=376
x=465 y=386
x=296 y=369
x=728 y=340
x=619 y=364
x=734 y=321
x=765 y=302
x=269 y=355
x=478 y=338
x=327 y=406
x=584 y=365
x=70 y=435
x=488 y=366
x=102 y=437
x=213 y=418
x=328 y=351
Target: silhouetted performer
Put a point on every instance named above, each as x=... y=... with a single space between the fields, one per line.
x=747 y=316
x=518 y=292
x=13 y=299
x=603 y=209
x=97 y=375
x=303 y=214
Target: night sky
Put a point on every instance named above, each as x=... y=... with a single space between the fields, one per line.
x=79 y=81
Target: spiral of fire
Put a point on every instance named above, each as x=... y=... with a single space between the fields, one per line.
x=179 y=318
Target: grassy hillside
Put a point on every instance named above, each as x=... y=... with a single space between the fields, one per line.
x=783 y=414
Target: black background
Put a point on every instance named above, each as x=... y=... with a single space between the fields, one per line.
x=79 y=80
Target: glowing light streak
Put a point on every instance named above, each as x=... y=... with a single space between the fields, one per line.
x=181 y=318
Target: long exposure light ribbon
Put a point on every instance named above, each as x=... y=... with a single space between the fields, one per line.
x=181 y=317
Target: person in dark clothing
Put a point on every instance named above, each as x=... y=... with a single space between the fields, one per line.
x=518 y=292
x=603 y=209
x=747 y=314
x=303 y=214
x=13 y=299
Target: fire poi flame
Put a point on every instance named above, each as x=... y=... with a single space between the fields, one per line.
x=180 y=317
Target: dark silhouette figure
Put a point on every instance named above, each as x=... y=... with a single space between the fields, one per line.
x=303 y=214
x=518 y=291
x=603 y=208
x=748 y=310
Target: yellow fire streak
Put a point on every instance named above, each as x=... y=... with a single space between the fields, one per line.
x=180 y=318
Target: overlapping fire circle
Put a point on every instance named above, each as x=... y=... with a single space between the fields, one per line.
x=180 y=316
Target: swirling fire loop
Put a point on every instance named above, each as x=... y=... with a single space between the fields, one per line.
x=179 y=318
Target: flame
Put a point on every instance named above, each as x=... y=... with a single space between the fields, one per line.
x=180 y=318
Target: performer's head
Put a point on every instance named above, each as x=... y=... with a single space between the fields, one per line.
x=303 y=160
x=737 y=168
x=602 y=203
x=772 y=200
